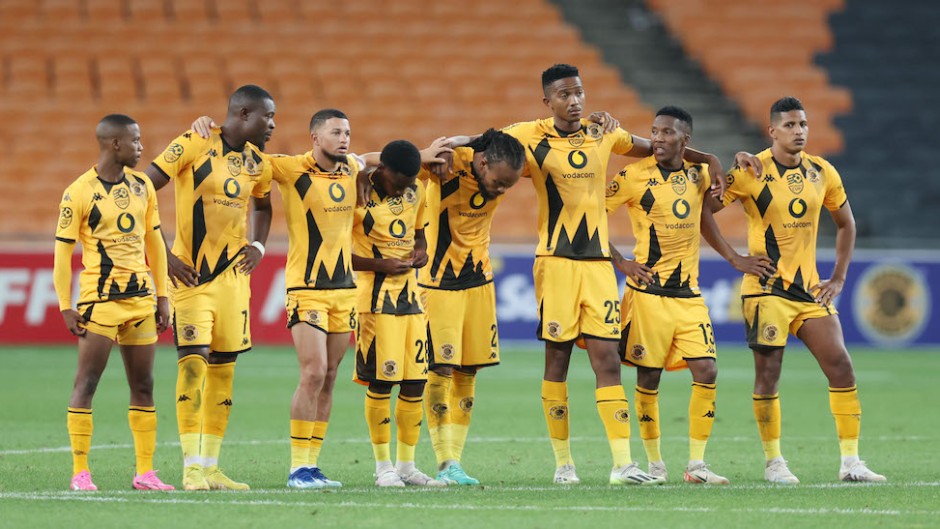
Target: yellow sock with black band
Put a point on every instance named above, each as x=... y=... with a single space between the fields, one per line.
x=316 y=442
x=378 y=410
x=190 y=379
x=701 y=419
x=555 y=407
x=647 y=410
x=80 y=426
x=847 y=411
x=437 y=402
x=215 y=411
x=143 y=423
x=408 y=416
x=461 y=408
x=300 y=433
x=767 y=414
x=614 y=410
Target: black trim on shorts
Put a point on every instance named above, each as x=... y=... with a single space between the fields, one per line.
x=664 y=293
x=458 y=366
x=603 y=339
x=188 y=347
x=292 y=289
x=392 y=382
x=458 y=289
x=291 y=323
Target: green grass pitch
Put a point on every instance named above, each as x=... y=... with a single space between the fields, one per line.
x=508 y=451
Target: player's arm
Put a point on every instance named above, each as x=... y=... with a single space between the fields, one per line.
x=155 y=248
x=438 y=156
x=62 y=279
x=388 y=266
x=259 y=227
x=638 y=272
x=758 y=265
x=827 y=290
x=420 y=257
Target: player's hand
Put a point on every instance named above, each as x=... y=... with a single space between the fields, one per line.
x=178 y=270
x=419 y=259
x=638 y=272
x=717 y=175
x=363 y=188
x=605 y=120
x=827 y=290
x=394 y=267
x=432 y=153
x=748 y=162
x=251 y=256
x=758 y=265
x=163 y=314
x=74 y=322
x=203 y=126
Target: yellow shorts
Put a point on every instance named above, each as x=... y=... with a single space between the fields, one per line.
x=576 y=298
x=660 y=332
x=131 y=321
x=214 y=314
x=462 y=326
x=391 y=348
x=766 y=318
x=331 y=311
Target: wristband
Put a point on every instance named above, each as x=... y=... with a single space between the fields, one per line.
x=259 y=246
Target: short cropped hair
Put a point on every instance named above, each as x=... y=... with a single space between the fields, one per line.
x=556 y=72
x=322 y=116
x=117 y=120
x=247 y=95
x=402 y=157
x=676 y=112
x=785 y=104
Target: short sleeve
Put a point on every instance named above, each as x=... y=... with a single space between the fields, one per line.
x=153 y=212
x=280 y=167
x=623 y=141
x=617 y=191
x=421 y=220
x=71 y=213
x=736 y=180
x=835 y=192
x=263 y=186
x=705 y=178
x=179 y=154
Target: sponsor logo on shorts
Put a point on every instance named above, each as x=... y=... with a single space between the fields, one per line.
x=189 y=333
x=466 y=404
x=390 y=368
x=638 y=352
x=447 y=352
x=313 y=317
x=622 y=415
x=439 y=409
x=173 y=153
x=769 y=333
x=554 y=329
x=558 y=412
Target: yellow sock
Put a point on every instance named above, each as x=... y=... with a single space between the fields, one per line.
x=190 y=378
x=461 y=405
x=408 y=416
x=80 y=427
x=767 y=413
x=300 y=433
x=316 y=442
x=437 y=402
x=378 y=419
x=143 y=422
x=847 y=411
x=555 y=406
x=647 y=410
x=615 y=414
x=701 y=419
x=215 y=411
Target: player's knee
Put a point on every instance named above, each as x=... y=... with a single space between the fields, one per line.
x=313 y=376
x=142 y=385
x=86 y=384
x=706 y=372
x=840 y=372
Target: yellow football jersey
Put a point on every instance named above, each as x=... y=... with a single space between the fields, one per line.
x=110 y=221
x=458 y=232
x=665 y=210
x=320 y=207
x=569 y=172
x=782 y=208
x=385 y=228
x=212 y=183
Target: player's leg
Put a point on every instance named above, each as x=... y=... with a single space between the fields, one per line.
x=555 y=408
x=823 y=337
x=310 y=344
x=408 y=415
x=378 y=411
x=336 y=346
x=446 y=313
x=701 y=419
x=646 y=399
x=462 y=400
x=93 y=352
x=437 y=403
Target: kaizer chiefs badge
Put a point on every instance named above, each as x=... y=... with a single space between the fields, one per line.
x=389 y=369
x=812 y=175
x=622 y=415
x=595 y=131
x=558 y=412
x=121 y=197
x=638 y=352
x=678 y=183
x=138 y=189
x=694 y=175
x=447 y=352
x=554 y=329
x=410 y=196
x=795 y=183
x=769 y=333
x=189 y=333
x=612 y=188
x=313 y=317
x=252 y=167
x=234 y=164
x=395 y=205
x=466 y=404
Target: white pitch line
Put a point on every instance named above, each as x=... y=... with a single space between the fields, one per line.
x=471 y=440
x=574 y=508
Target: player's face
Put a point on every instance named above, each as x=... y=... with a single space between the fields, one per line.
x=128 y=147
x=790 y=131
x=259 y=123
x=668 y=139
x=565 y=99
x=333 y=138
x=393 y=183
x=497 y=178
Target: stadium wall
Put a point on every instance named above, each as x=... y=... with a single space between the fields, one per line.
x=887 y=300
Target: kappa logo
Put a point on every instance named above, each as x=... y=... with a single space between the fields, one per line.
x=558 y=412
x=622 y=415
x=183 y=398
x=769 y=333
x=466 y=404
x=96 y=197
x=769 y=178
x=554 y=329
x=226 y=402
x=121 y=197
x=710 y=414
x=189 y=333
x=213 y=153
x=638 y=352
x=385 y=421
x=390 y=369
x=652 y=182
x=646 y=418
x=447 y=352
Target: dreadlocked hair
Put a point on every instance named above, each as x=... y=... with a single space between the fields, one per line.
x=497 y=146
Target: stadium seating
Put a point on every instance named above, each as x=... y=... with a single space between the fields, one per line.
x=416 y=69
x=760 y=50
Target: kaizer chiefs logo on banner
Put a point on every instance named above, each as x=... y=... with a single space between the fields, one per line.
x=891 y=304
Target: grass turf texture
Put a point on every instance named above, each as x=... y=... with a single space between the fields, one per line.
x=508 y=451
